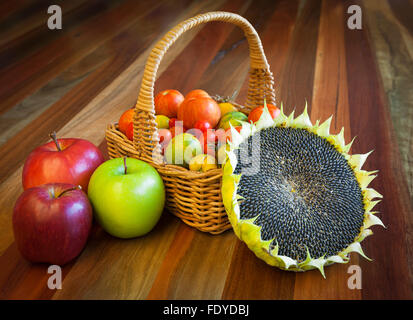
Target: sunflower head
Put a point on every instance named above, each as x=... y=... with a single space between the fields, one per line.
x=295 y=195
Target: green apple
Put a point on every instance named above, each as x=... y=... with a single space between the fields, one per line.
x=128 y=197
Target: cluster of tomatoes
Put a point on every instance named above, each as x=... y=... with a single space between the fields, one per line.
x=198 y=114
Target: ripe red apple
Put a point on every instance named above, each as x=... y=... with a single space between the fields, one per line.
x=62 y=160
x=52 y=222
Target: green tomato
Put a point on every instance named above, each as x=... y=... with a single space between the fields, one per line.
x=127 y=200
x=234 y=118
x=182 y=148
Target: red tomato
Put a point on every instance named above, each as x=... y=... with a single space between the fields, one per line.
x=129 y=131
x=256 y=113
x=197 y=93
x=165 y=136
x=167 y=103
x=208 y=141
x=125 y=119
x=196 y=109
x=172 y=122
x=203 y=125
x=176 y=130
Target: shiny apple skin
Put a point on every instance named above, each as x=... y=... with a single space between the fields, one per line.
x=127 y=205
x=74 y=164
x=52 y=229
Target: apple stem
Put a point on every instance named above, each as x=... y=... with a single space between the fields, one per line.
x=71 y=189
x=54 y=138
x=124 y=164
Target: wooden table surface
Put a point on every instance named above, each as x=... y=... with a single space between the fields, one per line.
x=79 y=79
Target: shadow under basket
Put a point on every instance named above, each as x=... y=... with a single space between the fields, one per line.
x=194 y=197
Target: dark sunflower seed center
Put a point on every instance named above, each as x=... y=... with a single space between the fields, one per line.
x=304 y=195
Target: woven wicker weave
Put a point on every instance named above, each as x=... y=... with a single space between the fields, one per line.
x=192 y=196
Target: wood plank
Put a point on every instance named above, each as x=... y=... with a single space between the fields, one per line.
x=31 y=74
x=32 y=41
x=403 y=12
x=96 y=273
x=9 y=8
x=391 y=43
x=10 y=191
x=10 y=30
x=191 y=256
x=296 y=81
x=23 y=113
x=370 y=120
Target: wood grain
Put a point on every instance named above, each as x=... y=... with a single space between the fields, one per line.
x=80 y=79
x=391 y=39
x=388 y=248
x=39 y=35
x=296 y=82
x=28 y=76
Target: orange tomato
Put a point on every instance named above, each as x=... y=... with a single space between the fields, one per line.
x=125 y=119
x=196 y=109
x=129 y=131
x=197 y=93
x=256 y=113
x=167 y=103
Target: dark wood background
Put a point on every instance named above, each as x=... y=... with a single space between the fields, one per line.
x=81 y=78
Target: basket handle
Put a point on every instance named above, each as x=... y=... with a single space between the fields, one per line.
x=145 y=136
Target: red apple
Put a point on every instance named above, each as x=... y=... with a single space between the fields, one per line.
x=64 y=160
x=52 y=222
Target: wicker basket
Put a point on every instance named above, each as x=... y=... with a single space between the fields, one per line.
x=192 y=196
